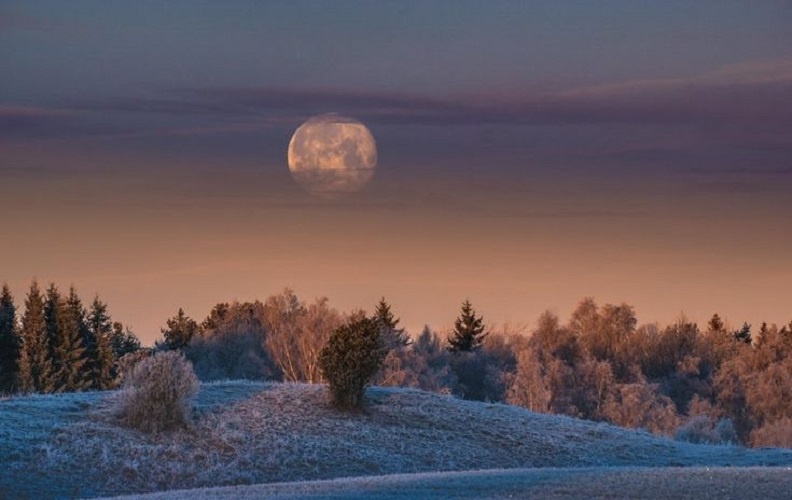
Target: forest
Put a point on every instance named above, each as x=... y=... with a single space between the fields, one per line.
x=704 y=384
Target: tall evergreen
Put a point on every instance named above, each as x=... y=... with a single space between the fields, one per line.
x=9 y=348
x=469 y=330
x=34 y=366
x=716 y=325
x=98 y=349
x=393 y=336
x=744 y=334
x=181 y=329
x=52 y=299
x=65 y=324
x=23 y=379
x=68 y=351
x=123 y=341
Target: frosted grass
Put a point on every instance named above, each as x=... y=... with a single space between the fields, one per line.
x=247 y=433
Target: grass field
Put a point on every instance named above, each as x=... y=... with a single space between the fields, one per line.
x=247 y=433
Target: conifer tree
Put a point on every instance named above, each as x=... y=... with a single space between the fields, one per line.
x=468 y=331
x=9 y=348
x=51 y=301
x=123 y=341
x=23 y=379
x=34 y=367
x=393 y=336
x=716 y=325
x=723 y=344
x=98 y=349
x=350 y=358
x=68 y=351
x=744 y=334
x=181 y=329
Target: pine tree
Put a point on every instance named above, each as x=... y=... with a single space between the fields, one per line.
x=51 y=301
x=744 y=334
x=393 y=336
x=715 y=324
x=723 y=344
x=9 y=348
x=23 y=381
x=68 y=352
x=35 y=371
x=123 y=341
x=468 y=330
x=98 y=348
x=181 y=329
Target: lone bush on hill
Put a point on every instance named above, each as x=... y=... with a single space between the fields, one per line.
x=158 y=393
x=352 y=356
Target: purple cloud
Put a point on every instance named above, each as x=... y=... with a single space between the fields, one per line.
x=749 y=105
x=18 y=20
x=705 y=101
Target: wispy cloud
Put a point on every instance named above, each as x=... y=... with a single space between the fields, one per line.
x=749 y=93
x=47 y=123
x=753 y=102
x=23 y=120
x=19 y=20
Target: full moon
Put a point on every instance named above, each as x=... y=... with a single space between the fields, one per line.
x=332 y=154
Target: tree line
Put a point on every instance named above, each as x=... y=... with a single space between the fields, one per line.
x=704 y=384
x=712 y=384
x=59 y=345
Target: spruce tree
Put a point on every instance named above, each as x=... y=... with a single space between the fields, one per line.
x=716 y=325
x=68 y=351
x=123 y=341
x=98 y=348
x=469 y=330
x=23 y=381
x=9 y=348
x=744 y=334
x=393 y=336
x=34 y=367
x=51 y=301
x=181 y=329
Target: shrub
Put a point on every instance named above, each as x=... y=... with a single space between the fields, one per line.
x=700 y=429
x=352 y=356
x=158 y=393
x=230 y=355
x=724 y=428
x=125 y=365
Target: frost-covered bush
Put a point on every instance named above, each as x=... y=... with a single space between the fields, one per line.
x=126 y=364
x=700 y=430
x=351 y=357
x=158 y=392
x=724 y=428
x=697 y=430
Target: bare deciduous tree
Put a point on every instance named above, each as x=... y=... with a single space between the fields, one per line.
x=296 y=334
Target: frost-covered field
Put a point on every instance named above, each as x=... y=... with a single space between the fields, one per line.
x=692 y=483
x=252 y=433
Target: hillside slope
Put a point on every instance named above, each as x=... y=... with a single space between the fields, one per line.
x=677 y=483
x=249 y=433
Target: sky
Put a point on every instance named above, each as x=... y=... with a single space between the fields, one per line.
x=530 y=154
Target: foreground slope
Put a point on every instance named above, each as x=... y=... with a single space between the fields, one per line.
x=694 y=483
x=248 y=433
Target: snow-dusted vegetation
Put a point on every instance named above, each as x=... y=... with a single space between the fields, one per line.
x=244 y=433
x=587 y=483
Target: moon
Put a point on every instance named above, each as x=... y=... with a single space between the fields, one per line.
x=332 y=154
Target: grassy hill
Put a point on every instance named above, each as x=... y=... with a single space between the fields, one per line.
x=249 y=433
